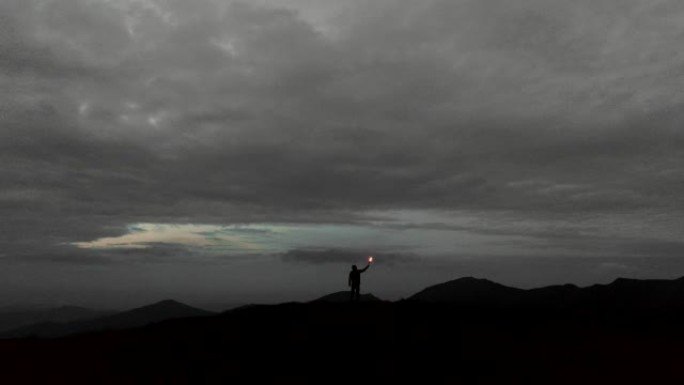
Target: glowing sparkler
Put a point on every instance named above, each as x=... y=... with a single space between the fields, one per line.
x=370 y=259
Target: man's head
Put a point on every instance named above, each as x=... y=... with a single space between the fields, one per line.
x=353 y=267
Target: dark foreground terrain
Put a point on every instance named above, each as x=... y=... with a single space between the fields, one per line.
x=366 y=342
x=466 y=331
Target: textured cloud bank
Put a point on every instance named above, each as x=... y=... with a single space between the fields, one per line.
x=557 y=123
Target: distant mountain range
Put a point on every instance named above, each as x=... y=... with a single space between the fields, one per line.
x=13 y=318
x=160 y=311
x=622 y=294
x=466 y=331
x=469 y=291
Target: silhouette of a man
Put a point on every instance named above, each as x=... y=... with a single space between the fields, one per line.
x=355 y=281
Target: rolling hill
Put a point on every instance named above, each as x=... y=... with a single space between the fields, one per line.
x=160 y=311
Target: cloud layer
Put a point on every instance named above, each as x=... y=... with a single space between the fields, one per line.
x=546 y=126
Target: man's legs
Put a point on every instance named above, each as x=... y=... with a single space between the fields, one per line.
x=355 y=293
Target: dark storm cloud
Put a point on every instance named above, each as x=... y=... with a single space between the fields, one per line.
x=161 y=111
x=152 y=253
x=345 y=256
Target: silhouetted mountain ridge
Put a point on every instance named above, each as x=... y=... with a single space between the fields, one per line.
x=622 y=293
x=469 y=291
x=156 y=312
x=395 y=342
x=13 y=319
x=344 y=296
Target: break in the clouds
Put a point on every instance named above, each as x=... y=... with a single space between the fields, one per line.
x=442 y=128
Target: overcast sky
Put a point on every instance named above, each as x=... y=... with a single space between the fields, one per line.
x=224 y=152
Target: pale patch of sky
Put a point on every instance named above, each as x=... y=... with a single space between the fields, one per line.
x=145 y=235
x=276 y=238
